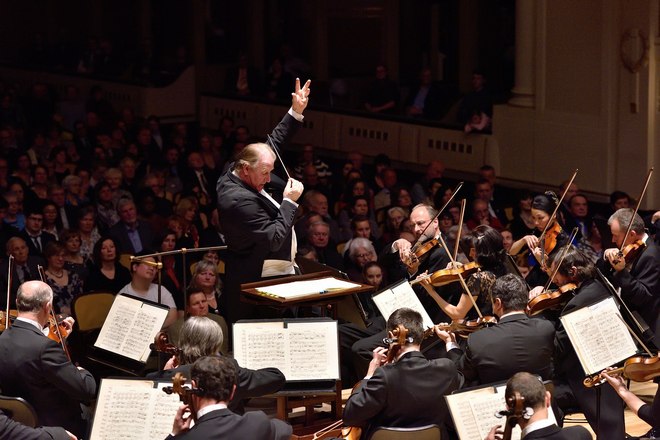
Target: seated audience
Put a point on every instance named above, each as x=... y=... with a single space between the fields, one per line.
x=106 y=274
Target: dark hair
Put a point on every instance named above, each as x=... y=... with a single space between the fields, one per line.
x=358 y=218
x=489 y=247
x=215 y=377
x=53 y=248
x=142 y=253
x=530 y=388
x=584 y=268
x=618 y=195
x=354 y=199
x=411 y=320
x=512 y=290
x=545 y=202
x=96 y=252
x=158 y=239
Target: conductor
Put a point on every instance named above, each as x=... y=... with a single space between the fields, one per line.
x=257 y=227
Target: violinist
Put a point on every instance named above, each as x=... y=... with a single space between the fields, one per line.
x=36 y=368
x=535 y=423
x=517 y=343
x=213 y=388
x=486 y=246
x=577 y=269
x=650 y=413
x=407 y=392
x=199 y=336
x=543 y=207
x=637 y=272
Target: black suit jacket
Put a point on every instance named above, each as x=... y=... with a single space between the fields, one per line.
x=554 y=432
x=250 y=383
x=9 y=429
x=640 y=286
x=254 y=228
x=32 y=263
x=35 y=368
x=119 y=233
x=224 y=424
x=523 y=344
x=611 y=424
x=405 y=394
x=32 y=249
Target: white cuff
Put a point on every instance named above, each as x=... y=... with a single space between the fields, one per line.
x=451 y=345
x=297 y=116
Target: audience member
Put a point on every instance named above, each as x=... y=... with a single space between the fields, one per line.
x=383 y=95
x=106 y=274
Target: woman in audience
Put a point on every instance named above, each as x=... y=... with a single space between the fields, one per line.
x=359 y=205
x=106 y=209
x=89 y=233
x=522 y=223
x=206 y=279
x=400 y=196
x=66 y=285
x=360 y=252
x=71 y=185
x=395 y=216
x=52 y=223
x=73 y=259
x=172 y=272
x=106 y=274
x=191 y=220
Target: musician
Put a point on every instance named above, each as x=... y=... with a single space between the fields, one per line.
x=199 y=336
x=639 y=279
x=535 y=423
x=257 y=228
x=357 y=343
x=36 y=368
x=12 y=430
x=543 y=206
x=523 y=343
x=214 y=385
x=650 y=413
x=576 y=268
x=487 y=248
x=143 y=272
x=406 y=392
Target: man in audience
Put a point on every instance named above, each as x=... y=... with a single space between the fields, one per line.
x=434 y=170
x=318 y=235
x=33 y=234
x=132 y=235
x=317 y=202
x=25 y=266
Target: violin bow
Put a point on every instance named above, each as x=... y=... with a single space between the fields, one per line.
x=639 y=202
x=9 y=264
x=269 y=141
x=42 y=275
x=458 y=187
x=561 y=200
x=460 y=229
x=561 y=259
x=460 y=278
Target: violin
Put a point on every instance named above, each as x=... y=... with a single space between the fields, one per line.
x=462 y=327
x=630 y=252
x=4 y=317
x=423 y=250
x=57 y=330
x=551 y=299
x=447 y=276
x=638 y=369
x=550 y=238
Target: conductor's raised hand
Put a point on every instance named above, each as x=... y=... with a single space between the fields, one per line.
x=293 y=190
x=300 y=97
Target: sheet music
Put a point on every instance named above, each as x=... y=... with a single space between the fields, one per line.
x=301 y=350
x=401 y=295
x=473 y=412
x=130 y=328
x=599 y=336
x=297 y=289
x=133 y=410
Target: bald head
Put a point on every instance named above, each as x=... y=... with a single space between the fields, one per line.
x=32 y=296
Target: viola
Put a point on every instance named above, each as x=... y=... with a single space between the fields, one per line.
x=3 y=318
x=638 y=369
x=447 y=276
x=162 y=344
x=551 y=299
x=463 y=327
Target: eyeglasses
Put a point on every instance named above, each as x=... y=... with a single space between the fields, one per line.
x=363 y=255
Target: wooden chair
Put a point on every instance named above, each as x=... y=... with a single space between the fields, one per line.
x=125 y=260
x=91 y=309
x=19 y=410
x=429 y=432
